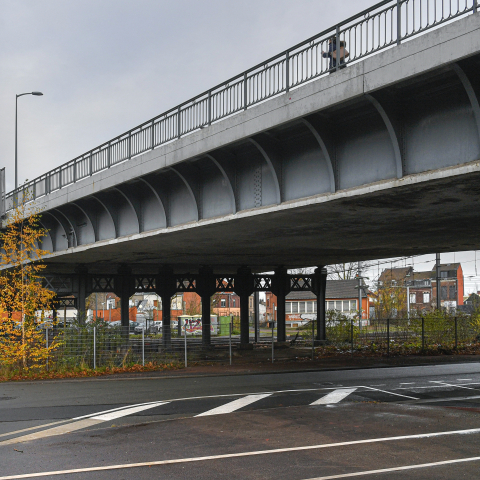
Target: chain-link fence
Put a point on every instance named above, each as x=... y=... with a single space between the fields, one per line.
x=93 y=346
x=437 y=330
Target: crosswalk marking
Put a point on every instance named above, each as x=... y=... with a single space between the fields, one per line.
x=334 y=397
x=235 y=405
x=81 y=423
x=126 y=411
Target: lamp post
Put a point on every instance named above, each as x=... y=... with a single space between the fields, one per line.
x=37 y=94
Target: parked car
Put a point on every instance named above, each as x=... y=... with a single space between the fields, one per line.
x=155 y=326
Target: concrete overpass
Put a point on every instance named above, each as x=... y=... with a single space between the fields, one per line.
x=287 y=164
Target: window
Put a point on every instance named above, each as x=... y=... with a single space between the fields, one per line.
x=353 y=305
x=234 y=303
x=310 y=307
x=413 y=298
x=451 y=293
x=444 y=293
x=301 y=307
x=314 y=307
x=294 y=307
x=338 y=306
x=426 y=297
x=330 y=305
x=223 y=303
x=288 y=307
x=346 y=305
x=443 y=274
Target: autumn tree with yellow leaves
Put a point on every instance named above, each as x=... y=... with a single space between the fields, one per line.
x=23 y=297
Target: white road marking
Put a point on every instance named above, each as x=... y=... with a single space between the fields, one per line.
x=114 y=410
x=334 y=397
x=397 y=469
x=464 y=379
x=33 y=428
x=235 y=405
x=407 y=383
x=457 y=386
x=243 y=454
x=448 y=399
x=79 y=424
x=392 y=393
x=126 y=411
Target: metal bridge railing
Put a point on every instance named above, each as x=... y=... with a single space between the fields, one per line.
x=382 y=26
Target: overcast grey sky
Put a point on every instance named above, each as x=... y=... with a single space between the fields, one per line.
x=105 y=66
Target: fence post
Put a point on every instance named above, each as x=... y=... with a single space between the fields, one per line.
x=337 y=67
x=475 y=6
x=109 y=160
x=209 y=107
x=129 y=153
x=287 y=72
x=94 y=348
x=313 y=339
x=399 y=22
x=245 y=91
x=46 y=342
x=273 y=340
x=423 y=332
x=351 y=334
x=230 y=341
x=179 y=122
x=143 y=346
x=185 y=337
x=388 y=337
x=456 y=333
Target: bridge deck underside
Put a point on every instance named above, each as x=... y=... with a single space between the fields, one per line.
x=443 y=215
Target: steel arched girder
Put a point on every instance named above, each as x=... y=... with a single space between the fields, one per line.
x=161 y=203
x=69 y=223
x=228 y=176
x=272 y=157
x=134 y=205
x=48 y=234
x=469 y=89
x=191 y=187
x=62 y=225
x=394 y=132
x=314 y=124
x=111 y=214
x=89 y=218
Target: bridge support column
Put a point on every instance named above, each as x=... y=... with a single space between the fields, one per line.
x=320 y=286
x=166 y=287
x=206 y=288
x=124 y=289
x=281 y=290
x=244 y=288
x=82 y=272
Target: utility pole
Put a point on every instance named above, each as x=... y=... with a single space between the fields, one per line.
x=439 y=289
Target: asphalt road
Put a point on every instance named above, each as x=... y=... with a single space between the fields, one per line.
x=408 y=422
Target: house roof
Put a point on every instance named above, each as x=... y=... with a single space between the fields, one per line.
x=447 y=267
x=335 y=289
x=395 y=274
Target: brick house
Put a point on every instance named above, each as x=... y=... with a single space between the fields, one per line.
x=340 y=295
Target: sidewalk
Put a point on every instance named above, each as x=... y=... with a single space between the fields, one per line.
x=206 y=369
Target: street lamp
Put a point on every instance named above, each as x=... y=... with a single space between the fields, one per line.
x=37 y=94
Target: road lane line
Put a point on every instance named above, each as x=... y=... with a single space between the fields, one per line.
x=334 y=397
x=92 y=420
x=456 y=386
x=34 y=428
x=115 y=409
x=241 y=454
x=235 y=405
x=446 y=399
x=392 y=393
x=397 y=469
x=105 y=417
